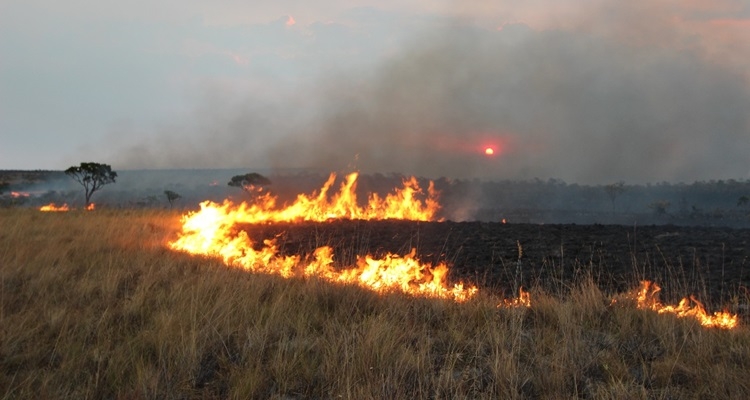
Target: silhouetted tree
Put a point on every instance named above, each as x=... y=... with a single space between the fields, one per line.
x=743 y=201
x=614 y=190
x=171 y=197
x=92 y=176
x=249 y=182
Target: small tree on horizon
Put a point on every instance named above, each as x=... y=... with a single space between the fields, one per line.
x=743 y=201
x=614 y=190
x=171 y=197
x=92 y=176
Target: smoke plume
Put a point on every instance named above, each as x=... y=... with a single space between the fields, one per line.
x=556 y=104
x=620 y=93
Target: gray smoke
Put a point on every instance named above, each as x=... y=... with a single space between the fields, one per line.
x=561 y=104
x=566 y=104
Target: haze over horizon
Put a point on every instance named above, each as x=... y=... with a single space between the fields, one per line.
x=583 y=91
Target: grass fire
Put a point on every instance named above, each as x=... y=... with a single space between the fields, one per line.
x=331 y=295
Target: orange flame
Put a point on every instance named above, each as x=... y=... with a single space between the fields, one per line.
x=647 y=298
x=403 y=203
x=53 y=207
x=211 y=231
x=90 y=207
x=16 y=195
x=523 y=300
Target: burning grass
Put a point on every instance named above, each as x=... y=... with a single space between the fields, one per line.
x=94 y=305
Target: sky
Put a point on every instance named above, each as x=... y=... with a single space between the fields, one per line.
x=586 y=91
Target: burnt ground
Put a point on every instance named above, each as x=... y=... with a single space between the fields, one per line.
x=712 y=263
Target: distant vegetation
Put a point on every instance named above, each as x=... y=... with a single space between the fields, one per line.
x=715 y=202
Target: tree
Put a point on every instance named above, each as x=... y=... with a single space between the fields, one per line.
x=613 y=191
x=171 y=197
x=92 y=176
x=743 y=201
x=3 y=186
x=249 y=182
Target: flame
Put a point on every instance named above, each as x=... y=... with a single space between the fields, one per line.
x=403 y=203
x=53 y=207
x=212 y=231
x=647 y=298
x=90 y=207
x=16 y=195
x=523 y=300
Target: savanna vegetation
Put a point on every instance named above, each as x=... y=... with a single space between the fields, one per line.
x=707 y=203
x=94 y=305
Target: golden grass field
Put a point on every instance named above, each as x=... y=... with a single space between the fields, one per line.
x=93 y=305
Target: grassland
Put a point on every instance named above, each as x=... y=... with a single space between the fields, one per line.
x=93 y=305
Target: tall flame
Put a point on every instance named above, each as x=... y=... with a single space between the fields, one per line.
x=211 y=231
x=403 y=203
x=647 y=298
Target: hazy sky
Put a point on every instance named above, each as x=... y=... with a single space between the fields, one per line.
x=589 y=91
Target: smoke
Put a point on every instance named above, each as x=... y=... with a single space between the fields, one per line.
x=558 y=104
x=622 y=92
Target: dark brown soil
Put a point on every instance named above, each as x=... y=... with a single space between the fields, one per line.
x=711 y=263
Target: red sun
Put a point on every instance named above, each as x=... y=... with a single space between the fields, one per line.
x=489 y=151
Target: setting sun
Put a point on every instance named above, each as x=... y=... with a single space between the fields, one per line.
x=489 y=151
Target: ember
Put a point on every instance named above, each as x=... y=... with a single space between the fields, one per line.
x=53 y=207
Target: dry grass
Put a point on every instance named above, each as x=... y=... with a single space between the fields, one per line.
x=92 y=305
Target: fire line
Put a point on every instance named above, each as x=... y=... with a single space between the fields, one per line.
x=212 y=231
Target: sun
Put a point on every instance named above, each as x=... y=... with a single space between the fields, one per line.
x=489 y=151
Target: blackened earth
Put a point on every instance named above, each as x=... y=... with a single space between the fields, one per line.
x=709 y=262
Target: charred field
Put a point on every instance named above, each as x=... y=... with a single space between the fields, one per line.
x=712 y=263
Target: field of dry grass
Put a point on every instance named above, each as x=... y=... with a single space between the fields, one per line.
x=93 y=305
